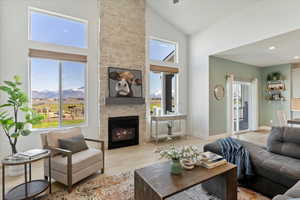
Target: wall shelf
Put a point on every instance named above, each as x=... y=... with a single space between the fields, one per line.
x=274 y=90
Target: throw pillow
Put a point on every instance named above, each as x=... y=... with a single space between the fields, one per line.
x=74 y=144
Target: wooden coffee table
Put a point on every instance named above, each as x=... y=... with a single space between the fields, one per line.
x=155 y=182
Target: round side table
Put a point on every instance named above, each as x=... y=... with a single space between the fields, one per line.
x=30 y=188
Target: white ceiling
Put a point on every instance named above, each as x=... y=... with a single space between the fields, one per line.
x=192 y=16
x=287 y=46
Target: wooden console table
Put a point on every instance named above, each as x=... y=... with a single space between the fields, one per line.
x=160 y=118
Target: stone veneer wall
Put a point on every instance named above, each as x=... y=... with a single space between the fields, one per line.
x=122 y=44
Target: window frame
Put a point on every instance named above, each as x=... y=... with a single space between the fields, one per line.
x=55 y=14
x=60 y=99
x=58 y=49
x=166 y=65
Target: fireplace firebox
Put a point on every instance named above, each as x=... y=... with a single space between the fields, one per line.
x=123 y=131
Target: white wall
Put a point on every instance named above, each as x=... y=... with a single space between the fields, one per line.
x=263 y=20
x=14 y=50
x=156 y=26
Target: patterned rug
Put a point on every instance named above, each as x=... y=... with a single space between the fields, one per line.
x=120 y=187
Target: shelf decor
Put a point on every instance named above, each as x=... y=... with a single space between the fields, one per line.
x=275 y=87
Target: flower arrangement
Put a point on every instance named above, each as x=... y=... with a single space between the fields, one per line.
x=188 y=154
x=171 y=152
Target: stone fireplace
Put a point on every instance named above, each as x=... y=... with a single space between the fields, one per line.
x=122 y=45
x=123 y=131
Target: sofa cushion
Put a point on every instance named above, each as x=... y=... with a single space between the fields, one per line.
x=73 y=144
x=285 y=141
x=80 y=160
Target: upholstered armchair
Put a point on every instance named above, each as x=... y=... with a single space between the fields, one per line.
x=69 y=168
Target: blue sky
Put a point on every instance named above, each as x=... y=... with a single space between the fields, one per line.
x=58 y=30
x=45 y=74
x=61 y=31
x=158 y=51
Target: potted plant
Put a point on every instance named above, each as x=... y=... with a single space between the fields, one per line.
x=269 y=77
x=174 y=154
x=11 y=122
x=277 y=76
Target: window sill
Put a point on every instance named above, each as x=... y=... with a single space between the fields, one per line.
x=43 y=130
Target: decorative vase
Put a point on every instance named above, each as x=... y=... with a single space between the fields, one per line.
x=176 y=167
x=14 y=170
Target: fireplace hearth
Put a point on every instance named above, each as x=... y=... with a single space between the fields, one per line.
x=123 y=131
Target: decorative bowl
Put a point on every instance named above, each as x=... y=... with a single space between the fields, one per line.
x=187 y=164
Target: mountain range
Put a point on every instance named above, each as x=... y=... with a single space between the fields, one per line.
x=48 y=94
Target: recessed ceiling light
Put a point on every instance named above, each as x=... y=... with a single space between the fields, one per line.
x=272 y=48
x=296 y=57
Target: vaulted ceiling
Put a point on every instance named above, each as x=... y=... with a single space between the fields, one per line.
x=192 y=16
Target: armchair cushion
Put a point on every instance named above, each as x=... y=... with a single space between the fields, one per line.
x=74 y=144
x=53 y=136
x=80 y=161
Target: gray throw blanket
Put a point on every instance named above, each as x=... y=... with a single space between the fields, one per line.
x=235 y=153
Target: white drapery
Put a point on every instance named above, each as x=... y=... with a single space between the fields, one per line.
x=254 y=105
x=229 y=100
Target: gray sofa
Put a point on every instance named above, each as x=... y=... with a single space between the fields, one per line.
x=277 y=166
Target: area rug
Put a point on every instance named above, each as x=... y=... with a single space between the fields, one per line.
x=121 y=187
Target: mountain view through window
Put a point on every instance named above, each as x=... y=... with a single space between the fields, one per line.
x=60 y=106
x=163 y=52
x=58 y=86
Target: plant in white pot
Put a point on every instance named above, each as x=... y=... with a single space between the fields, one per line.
x=15 y=115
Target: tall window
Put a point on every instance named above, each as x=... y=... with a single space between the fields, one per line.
x=58 y=79
x=163 y=78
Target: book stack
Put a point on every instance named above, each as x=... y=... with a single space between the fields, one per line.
x=211 y=160
x=33 y=153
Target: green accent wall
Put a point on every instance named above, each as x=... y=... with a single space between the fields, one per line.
x=270 y=108
x=219 y=67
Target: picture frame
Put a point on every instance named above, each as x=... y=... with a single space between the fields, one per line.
x=124 y=82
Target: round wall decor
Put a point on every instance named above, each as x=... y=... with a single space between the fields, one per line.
x=219 y=92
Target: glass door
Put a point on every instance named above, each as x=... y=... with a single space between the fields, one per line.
x=241 y=106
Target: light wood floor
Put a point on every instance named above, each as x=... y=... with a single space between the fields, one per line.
x=130 y=158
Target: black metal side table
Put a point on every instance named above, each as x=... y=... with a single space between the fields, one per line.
x=30 y=188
